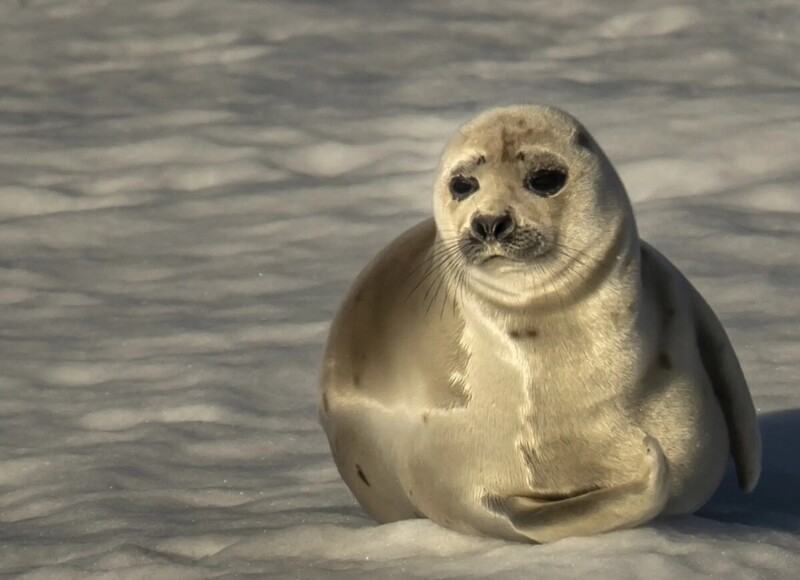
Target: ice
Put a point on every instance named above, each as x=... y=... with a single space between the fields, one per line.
x=188 y=187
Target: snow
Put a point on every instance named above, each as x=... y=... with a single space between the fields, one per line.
x=188 y=187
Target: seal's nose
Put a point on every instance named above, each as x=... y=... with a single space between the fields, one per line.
x=492 y=227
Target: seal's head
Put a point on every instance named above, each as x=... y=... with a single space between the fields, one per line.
x=531 y=203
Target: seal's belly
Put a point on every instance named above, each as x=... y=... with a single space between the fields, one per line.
x=454 y=462
x=457 y=459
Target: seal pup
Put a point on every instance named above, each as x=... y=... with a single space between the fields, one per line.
x=523 y=365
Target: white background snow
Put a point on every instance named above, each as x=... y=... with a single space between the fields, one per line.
x=188 y=187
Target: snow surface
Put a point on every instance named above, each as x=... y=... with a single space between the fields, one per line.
x=188 y=187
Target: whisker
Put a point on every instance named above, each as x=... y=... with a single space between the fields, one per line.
x=439 y=282
x=576 y=254
x=438 y=251
x=434 y=264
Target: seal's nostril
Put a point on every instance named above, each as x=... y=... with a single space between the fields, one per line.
x=492 y=227
x=504 y=226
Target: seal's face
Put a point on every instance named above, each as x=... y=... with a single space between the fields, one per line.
x=507 y=234
x=525 y=192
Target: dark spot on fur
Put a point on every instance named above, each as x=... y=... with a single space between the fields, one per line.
x=583 y=140
x=521 y=156
x=361 y=475
x=528 y=333
x=529 y=454
x=356 y=379
x=410 y=493
x=664 y=360
x=419 y=515
x=481 y=160
x=363 y=356
x=632 y=306
x=425 y=417
x=511 y=140
x=325 y=406
x=359 y=296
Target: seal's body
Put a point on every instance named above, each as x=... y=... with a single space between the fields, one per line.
x=523 y=365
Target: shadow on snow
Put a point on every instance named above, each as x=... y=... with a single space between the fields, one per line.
x=775 y=503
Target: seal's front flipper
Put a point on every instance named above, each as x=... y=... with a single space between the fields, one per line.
x=732 y=393
x=599 y=511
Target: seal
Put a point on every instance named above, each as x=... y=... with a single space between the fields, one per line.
x=523 y=365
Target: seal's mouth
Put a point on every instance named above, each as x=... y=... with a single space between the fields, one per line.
x=525 y=246
x=493 y=258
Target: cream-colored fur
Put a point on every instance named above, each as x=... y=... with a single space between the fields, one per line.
x=587 y=389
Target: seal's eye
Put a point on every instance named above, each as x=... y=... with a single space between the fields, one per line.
x=462 y=187
x=545 y=182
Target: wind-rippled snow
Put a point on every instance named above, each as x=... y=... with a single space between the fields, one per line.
x=188 y=187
